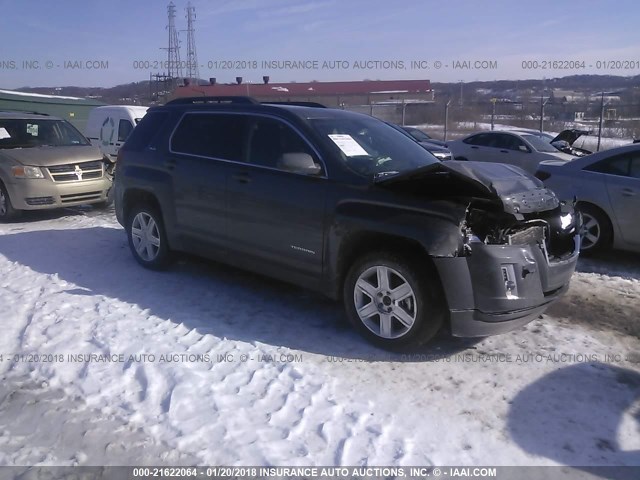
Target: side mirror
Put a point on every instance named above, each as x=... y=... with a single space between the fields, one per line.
x=299 y=163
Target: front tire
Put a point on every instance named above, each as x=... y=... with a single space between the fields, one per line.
x=596 y=232
x=147 y=237
x=7 y=212
x=391 y=302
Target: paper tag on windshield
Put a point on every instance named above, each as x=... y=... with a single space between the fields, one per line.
x=4 y=133
x=348 y=145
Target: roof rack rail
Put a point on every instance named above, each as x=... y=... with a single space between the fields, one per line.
x=218 y=99
x=24 y=111
x=297 y=104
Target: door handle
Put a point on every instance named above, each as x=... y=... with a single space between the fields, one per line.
x=241 y=177
x=170 y=164
x=475 y=148
x=504 y=151
x=628 y=192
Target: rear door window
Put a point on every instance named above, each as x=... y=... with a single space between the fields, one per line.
x=214 y=135
x=482 y=139
x=618 y=165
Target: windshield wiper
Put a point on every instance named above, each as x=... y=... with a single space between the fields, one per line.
x=385 y=174
x=408 y=173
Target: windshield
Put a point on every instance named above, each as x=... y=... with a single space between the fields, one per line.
x=540 y=144
x=29 y=133
x=370 y=147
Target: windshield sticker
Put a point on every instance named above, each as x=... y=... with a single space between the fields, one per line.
x=4 y=133
x=32 y=129
x=348 y=145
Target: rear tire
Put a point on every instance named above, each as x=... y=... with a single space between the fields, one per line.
x=147 y=237
x=392 y=302
x=596 y=232
x=7 y=212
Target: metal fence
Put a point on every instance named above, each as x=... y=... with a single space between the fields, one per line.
x=605 y=120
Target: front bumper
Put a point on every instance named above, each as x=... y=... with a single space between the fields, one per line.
x=479 y=300
x=43 y=193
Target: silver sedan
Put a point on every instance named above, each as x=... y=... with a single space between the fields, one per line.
x=607 y=187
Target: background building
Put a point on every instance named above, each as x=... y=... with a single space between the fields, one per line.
x=75 y=110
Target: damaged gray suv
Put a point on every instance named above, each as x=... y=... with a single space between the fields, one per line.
x=46 y=163
x=345 y=204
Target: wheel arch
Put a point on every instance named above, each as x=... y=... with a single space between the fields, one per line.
x=366 y=242
x=136 y=196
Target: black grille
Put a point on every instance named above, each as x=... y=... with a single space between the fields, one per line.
x=80 y=197
x=39 y=201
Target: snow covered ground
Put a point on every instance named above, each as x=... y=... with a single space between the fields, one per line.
x=104 y=362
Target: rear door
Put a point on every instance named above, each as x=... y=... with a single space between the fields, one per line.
x=275 y=216
x=513 y=150
x=478 y=147
x=204 y=147
x=623 y=186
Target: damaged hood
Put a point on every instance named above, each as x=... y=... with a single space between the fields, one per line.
x=518 y=191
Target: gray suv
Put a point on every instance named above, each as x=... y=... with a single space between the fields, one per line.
x=46 y=163
x=346 y=205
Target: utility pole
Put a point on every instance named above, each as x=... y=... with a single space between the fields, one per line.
x=543 y=103
x=493 y=111
x=446 y=118
x=460 y=99
x=600 y=123
x=192 y=57
x=601 y=120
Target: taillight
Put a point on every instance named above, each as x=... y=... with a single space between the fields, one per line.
x=542 y=175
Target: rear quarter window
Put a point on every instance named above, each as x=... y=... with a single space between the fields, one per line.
x=144 y=133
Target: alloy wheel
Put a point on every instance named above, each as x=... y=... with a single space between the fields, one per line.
x=385 y=302
x=590 y=231
x=3 y=204
x=146 y=236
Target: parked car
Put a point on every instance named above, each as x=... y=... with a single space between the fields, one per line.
x=607 y=188
x=434 y=147
x=346 y=205
x=421 y=136
x=564 y=141
x=46 y=163
x=108 y=127
x=521 y=149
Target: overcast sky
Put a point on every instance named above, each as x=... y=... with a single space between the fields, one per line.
x=128 y=34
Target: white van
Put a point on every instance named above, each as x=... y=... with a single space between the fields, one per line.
x=109 y=126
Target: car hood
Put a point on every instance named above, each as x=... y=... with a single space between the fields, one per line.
x=49 y=156
x=518 y=191
x=433 y=147
x=570 y=135
x=560 y=156
x=433 y=141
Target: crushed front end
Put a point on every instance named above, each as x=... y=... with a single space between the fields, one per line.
x=516 y=259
